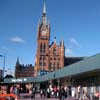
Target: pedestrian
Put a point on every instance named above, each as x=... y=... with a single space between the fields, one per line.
x=11 y=89
x=15 y=90
x=55 y=92
x=33 y=93
x=48 y=93
x=78 y=90
x=41 y=93
x=66 y=91
x=61 y=93
x=44 y=93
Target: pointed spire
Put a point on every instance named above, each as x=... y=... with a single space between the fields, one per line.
x=17 y=62
x=44 y=7
x=44 y=17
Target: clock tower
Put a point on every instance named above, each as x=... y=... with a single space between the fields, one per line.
x=43 y=38
x=49 y=57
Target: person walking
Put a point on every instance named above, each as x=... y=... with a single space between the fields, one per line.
x=41 y=93
x=48 y=93
x=61 y=94
x=33 y=93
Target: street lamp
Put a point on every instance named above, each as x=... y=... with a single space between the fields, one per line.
x=3 y=64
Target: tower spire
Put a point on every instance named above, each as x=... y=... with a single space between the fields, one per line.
x=44 y=18
x=44 y=7
x=17 y=62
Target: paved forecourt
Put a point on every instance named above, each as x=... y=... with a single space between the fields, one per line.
x=37 y=97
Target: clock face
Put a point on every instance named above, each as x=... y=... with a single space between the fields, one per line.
x=43 y=32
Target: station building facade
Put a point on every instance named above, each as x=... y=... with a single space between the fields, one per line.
x=49 y=56
x=23 y=70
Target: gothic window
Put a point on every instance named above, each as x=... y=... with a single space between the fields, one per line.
x=44 y=58
x=44 y=48
x=58 y=65
x=41 y=48
x=54 y=51
x=50 y=58
x=40 y=58
x=58 y=58
x=44 y=64
x=50 y=65
x=54 y=66
x=51 y=69
x=54 y=58
x=40 y=64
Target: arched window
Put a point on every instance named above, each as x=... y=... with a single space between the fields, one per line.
x=51 y=58
x=44 y=64
x=54 y=51
x=54 y=58
x=40 y=57
x=40 y=63
x=54 y=66
x=58 y=65
x=44 y=48
x=41 y=48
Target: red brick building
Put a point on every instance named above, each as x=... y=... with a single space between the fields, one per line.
x=49 y=57
x=23 y=70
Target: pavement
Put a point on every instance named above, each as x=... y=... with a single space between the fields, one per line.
x=37 y=97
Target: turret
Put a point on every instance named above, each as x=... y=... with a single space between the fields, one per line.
x=44 y=18
x=17 y=62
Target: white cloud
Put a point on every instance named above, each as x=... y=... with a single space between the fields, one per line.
x=4 y=48
x=74 y=41
x=17 y=39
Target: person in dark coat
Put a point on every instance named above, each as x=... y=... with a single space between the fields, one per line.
x=41 y=93
x=61 y=93
x=33 y=93
x=48 y=93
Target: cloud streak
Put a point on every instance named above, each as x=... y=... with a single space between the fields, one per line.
x=4 y=48
x=17 y=39
x=75 y=42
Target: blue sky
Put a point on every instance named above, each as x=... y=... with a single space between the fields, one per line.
x=77 y=22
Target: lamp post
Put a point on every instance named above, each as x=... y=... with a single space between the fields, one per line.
x=3 y=64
